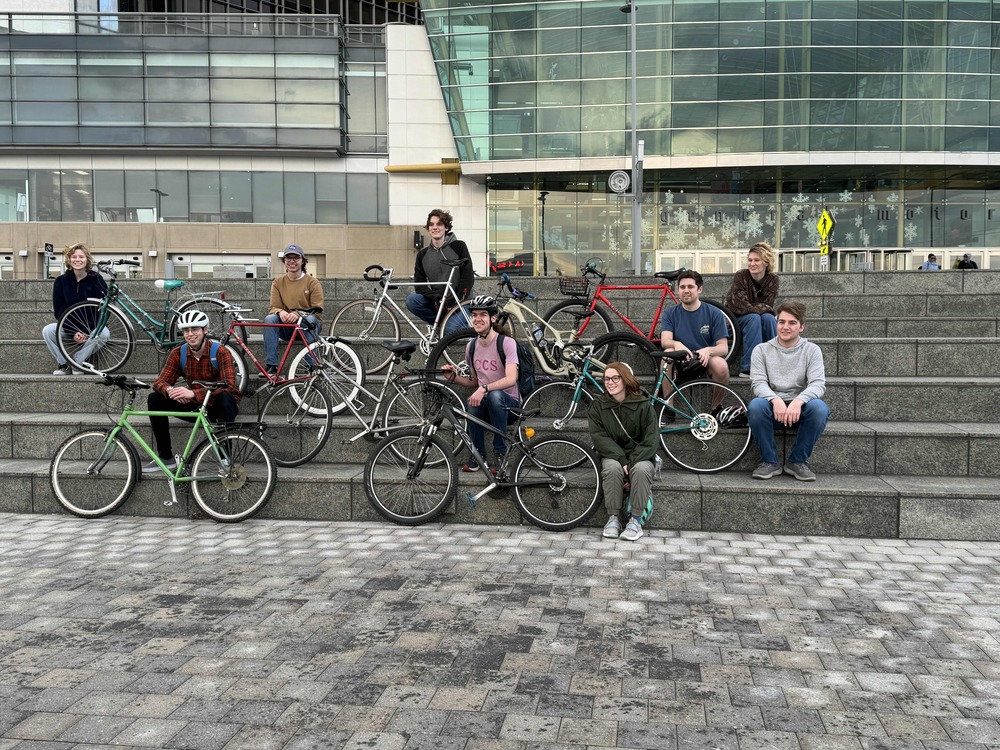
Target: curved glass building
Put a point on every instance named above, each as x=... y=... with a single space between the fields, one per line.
x=755 y=115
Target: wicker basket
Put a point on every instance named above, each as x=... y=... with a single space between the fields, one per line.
x=574 y=286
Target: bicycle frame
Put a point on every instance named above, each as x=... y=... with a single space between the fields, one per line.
x=652 y=334
x=299 y=334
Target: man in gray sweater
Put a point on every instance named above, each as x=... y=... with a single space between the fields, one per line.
x=788 y=381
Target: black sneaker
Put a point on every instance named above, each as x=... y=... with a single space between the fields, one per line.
x=271 y=372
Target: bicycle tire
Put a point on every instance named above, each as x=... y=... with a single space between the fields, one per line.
x=240 y=365
x=455 y=311
x=569 y=498
x=635 y=351
x=235 y=492
x=402 y=495
x=354 y=323
x=342 y=372
x=218 y=319
x=559 y=409
x=694 y=440
x=409 y=408
x=561 y=317
x=87 y=317
x=296 y=424
x=450 y=350
x=78 y=487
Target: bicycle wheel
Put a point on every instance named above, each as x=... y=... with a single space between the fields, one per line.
x=735 y=337
x=240 y=365
x=635 y=351
x=92 y=476
x=110 y=337
x=218 y=319
x=342 y=374
x=409 y=407
x=558 y=499
x=560 y=408
x=565 y=316
x=357 y=324
x=457 y=311
x=230 y=493
x=409 y=479
x=693 y=437
x=297 y=421
x=451 y=349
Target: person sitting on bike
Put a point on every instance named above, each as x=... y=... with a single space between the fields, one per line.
x=698 y=329
x=204 y=360
x=78 y=283
x=625 y=432
x=428 y=267
x=296 y=290
x=495 y=387
x=751 y=298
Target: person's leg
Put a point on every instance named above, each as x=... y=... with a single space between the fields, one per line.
x=49 y=337
x=760 y=415
x=613 y=477
x=498 y=406
x=751 y=324
x=422 y=307
x=161 y=425
x=640 y=477
x=312 y=335
x=224 y=409
x=271 y=340
x=92 y=345
x=815 y=414
x=457 y=322
x=477 y=433
x=768 y=327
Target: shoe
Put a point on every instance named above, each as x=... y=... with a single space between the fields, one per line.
x=271 y=370
x=612 y=529
x=801 y=472
x=66 y=369
x=152 y=467
x=469 y=468
x=633 y=530
x=744 y=374
x=716 y=410
x=765 y=470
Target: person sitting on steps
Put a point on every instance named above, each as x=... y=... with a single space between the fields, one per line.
x=80 y=282
x=751 y=299
x=295 y=290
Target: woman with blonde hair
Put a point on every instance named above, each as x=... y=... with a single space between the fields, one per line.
x=625 y=433
x=751 y=298
x=78 y=283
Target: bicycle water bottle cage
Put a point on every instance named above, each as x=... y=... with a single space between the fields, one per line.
x=168 y=284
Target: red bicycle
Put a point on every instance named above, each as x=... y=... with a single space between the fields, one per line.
x=587 y=313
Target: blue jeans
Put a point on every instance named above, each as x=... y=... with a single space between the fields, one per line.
x=271 y=336
x=493 y=409
x=810 y=426
x=425 y=309
x=49 y=336
x=757 y=328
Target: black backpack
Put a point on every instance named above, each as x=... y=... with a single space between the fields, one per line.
x=525 y=367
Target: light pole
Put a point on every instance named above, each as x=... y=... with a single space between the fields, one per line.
x=637 y=145
x=545 y=258
x=160 y=195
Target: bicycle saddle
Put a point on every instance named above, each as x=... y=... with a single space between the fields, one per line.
x=211 y=385
x=168 y=284
x=309 y=310
x=673 y=355
x=523 y=413
x=668 y=275
x=401 y=348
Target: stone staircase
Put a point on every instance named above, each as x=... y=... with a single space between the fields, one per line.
x=912 y=382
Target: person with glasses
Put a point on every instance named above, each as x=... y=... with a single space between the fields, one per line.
x=295 y=290
x=428 y=268
x=625 y=434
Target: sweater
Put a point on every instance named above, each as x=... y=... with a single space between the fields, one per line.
x=68 y=291
x=637 y=441
x=744 y=297
x=796 y=372
x=428 y=267
x=300 y=294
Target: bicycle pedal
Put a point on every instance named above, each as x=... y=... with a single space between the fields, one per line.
x=471 y=499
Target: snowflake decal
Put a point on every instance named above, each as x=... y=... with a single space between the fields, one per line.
x=910 y=232
x=846 y=197
x=849 y=238
x=859 y=221
x=892 y=198
x=668 y=198
x=753 y=226
x=800 y=198
x=882 y=228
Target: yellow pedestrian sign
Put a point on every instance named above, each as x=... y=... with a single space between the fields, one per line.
x=825 y=225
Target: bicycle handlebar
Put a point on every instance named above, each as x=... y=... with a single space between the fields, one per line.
x=514 y=292
x=375 y=267
x=124 y=382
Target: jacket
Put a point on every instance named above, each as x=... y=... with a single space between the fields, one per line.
x=637 y=442
x=792 y=373
x=428 y=267
x=68 y=291
x=743 y=297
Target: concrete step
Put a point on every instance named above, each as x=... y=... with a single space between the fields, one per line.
x=902 y=328
x=907 y=357
x=863 y=448
x=893 y=506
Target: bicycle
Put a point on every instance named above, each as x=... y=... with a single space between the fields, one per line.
x=411 y=476
x=364 y=323
x=547 y=343
x=703 y=426
x=231 y=472
x=589 y=311
x=298 y=413
x=108 y=325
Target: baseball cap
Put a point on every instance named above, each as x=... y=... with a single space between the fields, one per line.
x=295 y=250
x=965 y=257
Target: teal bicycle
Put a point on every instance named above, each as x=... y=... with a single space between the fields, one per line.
x=703 y=424
x=231 y=472
x=100 y=334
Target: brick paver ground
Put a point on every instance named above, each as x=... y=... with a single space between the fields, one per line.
x=139 y=632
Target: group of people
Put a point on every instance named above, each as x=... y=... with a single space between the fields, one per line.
x=786 y=371
x=931 y=264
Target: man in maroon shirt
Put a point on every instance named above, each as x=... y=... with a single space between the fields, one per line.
x=201 y=364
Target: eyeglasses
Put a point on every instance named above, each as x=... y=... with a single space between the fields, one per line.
x=613 y=379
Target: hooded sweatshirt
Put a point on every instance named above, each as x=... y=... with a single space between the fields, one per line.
x=428 y=267
x=797 y=372
x=626 y=432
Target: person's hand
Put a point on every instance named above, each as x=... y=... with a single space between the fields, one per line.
x=451 y=370
x=288 y=317
x=793 y=412
x=703 y=356
x=477 y=396
x=180 y=394
x=79 y=337
x=626 y=483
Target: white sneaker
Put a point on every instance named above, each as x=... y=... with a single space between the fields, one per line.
x=66 y=369
x=612 y=529
x=633 y=530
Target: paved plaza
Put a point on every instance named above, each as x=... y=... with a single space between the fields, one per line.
x=169 y=633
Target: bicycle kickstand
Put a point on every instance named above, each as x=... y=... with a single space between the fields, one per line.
x=174 y=496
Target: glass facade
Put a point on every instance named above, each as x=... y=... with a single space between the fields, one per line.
x=551 y=79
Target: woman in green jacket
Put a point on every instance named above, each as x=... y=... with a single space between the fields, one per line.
x=625 y=432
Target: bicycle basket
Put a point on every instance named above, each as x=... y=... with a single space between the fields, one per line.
x=574 y=286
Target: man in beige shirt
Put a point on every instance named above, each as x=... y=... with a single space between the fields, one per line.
x=296 y=290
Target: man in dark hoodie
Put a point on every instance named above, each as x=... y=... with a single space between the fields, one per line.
x=788 y=378
x=429 y=268
x=625 y=434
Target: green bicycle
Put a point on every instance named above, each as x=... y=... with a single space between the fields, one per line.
x=100 y=334
x=231 y=472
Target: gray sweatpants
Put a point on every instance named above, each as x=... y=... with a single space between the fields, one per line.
x=640 y=477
